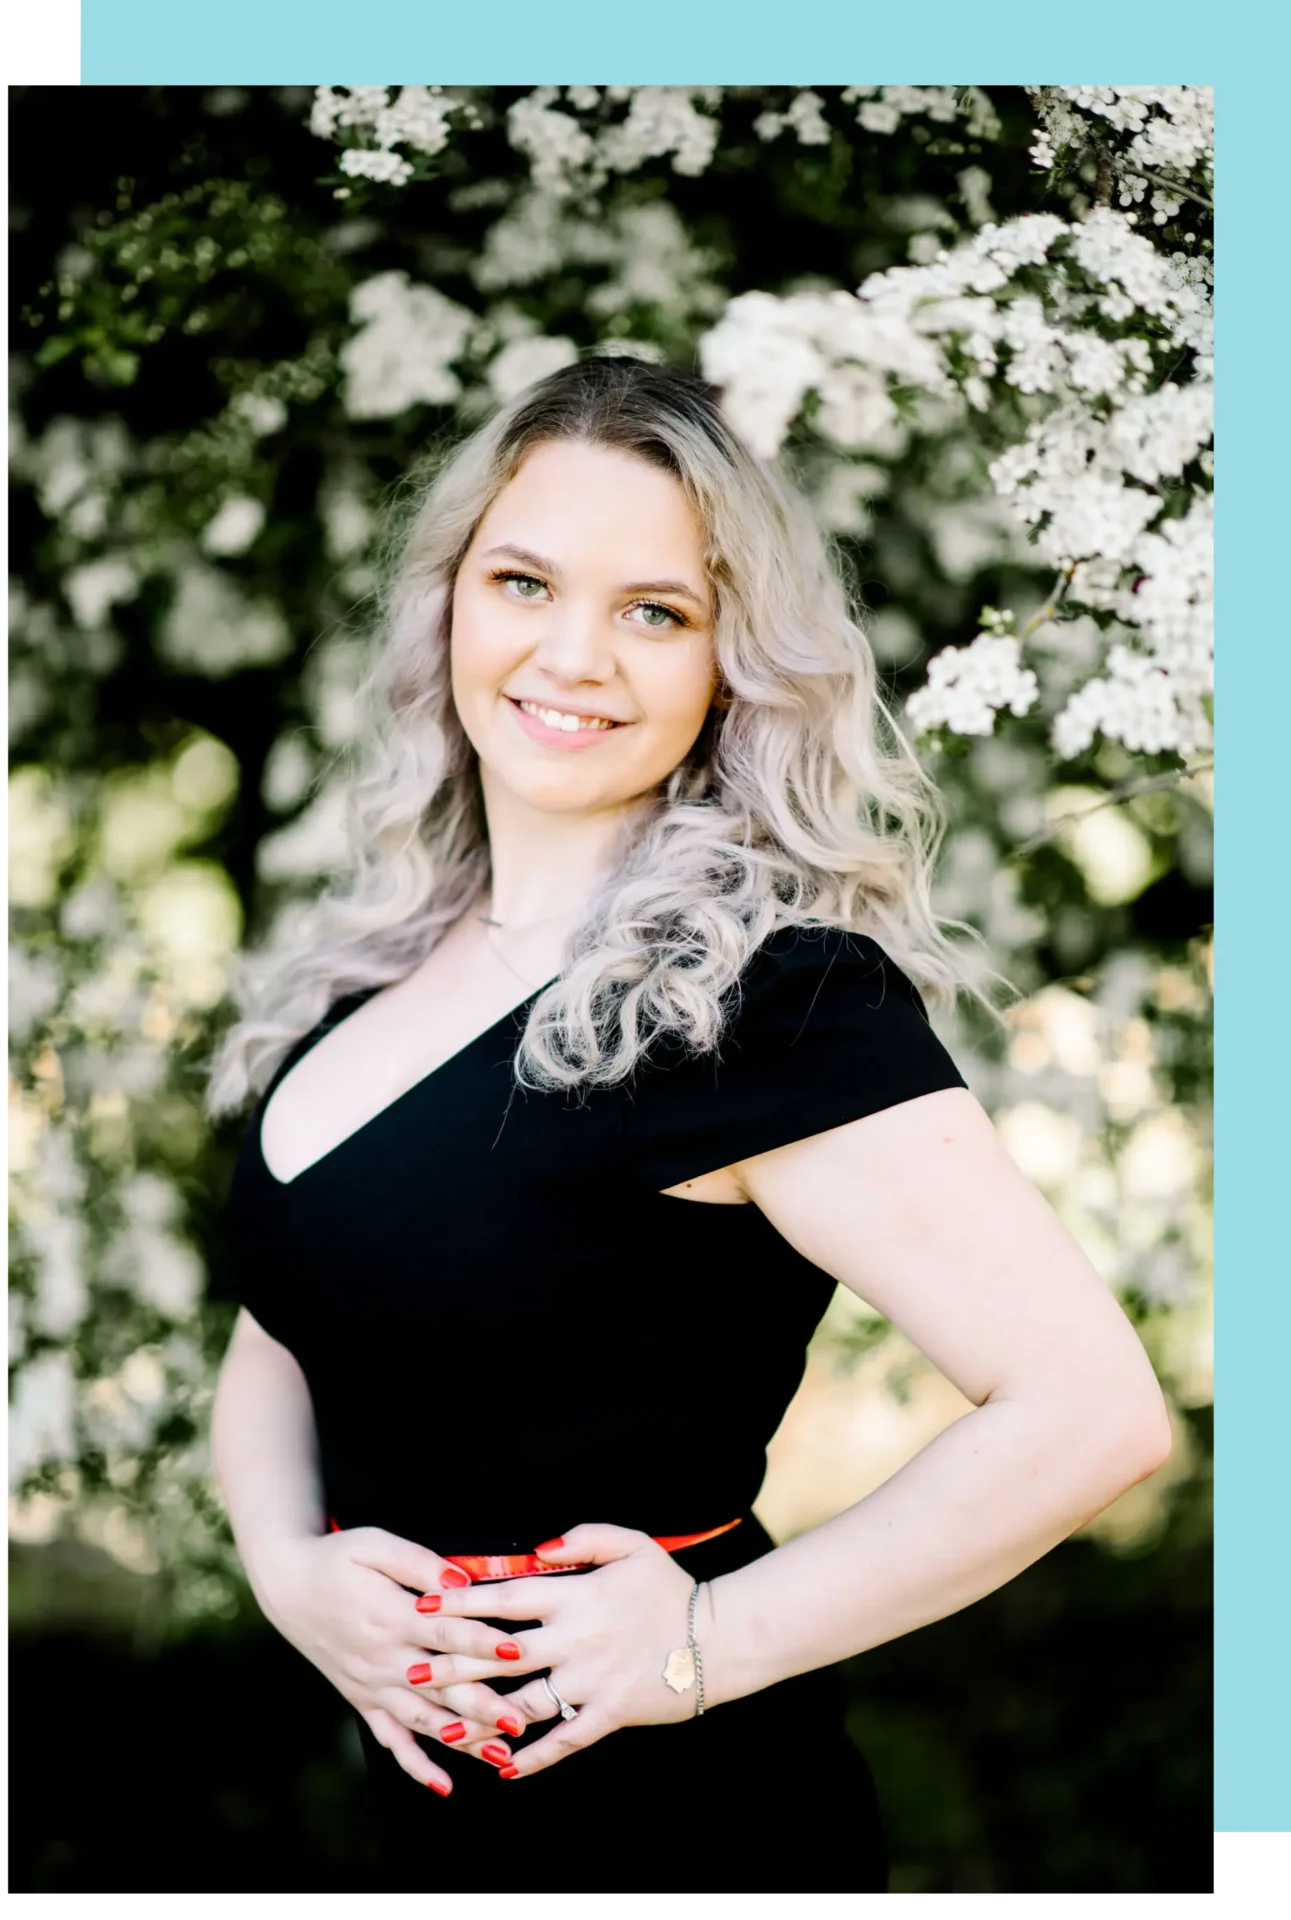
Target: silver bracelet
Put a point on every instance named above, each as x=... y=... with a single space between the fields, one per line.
x=684 y=1667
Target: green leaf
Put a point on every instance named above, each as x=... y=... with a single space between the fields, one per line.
x=56 y=348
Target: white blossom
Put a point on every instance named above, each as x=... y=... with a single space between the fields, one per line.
x=882 y=109
x=210 y=628
x=376 y=163
x=71 y=456
x=401 y=354
x=93 y=911
x=417 y=117
x=42 y=1414
x=146 y=1256
x=558 y=147
x=968 y=686
x=347 y=521
x=35 y=986
x=234 y=527
x=661 y=121
x=263 y=413
x=768 y=353
x=522 y=362
x=804 y=116
x=94 y=588
x=58 y=1243
x=1137 y=702
x=1088 y=478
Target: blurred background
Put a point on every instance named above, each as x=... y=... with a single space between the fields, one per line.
x=239 y=314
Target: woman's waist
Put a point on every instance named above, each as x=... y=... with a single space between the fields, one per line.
x=490 y=1508
x=512 y=1566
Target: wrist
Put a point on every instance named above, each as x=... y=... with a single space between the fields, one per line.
x=272 y=1564
x=730 y=1642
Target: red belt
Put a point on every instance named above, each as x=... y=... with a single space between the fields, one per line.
x=508 y=1566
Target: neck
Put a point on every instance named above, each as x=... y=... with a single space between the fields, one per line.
x=545 y=864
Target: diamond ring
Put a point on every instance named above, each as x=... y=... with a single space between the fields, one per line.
x=566 y=1711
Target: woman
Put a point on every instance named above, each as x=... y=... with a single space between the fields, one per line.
x=602 y=1068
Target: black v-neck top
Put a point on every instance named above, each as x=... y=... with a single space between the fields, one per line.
x=506 y=1327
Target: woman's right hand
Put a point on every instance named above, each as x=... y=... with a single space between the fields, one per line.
x=340 y=1599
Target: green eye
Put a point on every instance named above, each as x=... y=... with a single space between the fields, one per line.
x=656 y=617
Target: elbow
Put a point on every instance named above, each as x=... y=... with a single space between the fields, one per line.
x=1144 y=1443
x=1151 y=1444
x=1111 y=1441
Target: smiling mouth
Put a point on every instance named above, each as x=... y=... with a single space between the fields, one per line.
x=565 y=722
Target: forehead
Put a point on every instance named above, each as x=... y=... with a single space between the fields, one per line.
x=575 y=502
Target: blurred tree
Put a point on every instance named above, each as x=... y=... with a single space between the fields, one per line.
x=975 y=322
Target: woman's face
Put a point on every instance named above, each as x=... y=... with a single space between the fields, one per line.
x=583 y=599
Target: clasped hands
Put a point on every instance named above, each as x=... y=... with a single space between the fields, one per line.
x=420 y=1664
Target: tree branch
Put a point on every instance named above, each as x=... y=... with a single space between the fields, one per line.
x=1148 y=783
x=1113 y=163
x=1170 y=186
x=1051 y=605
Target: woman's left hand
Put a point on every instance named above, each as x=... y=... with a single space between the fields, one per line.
x=603 y=1637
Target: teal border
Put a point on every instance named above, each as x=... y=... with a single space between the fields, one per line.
x=651 y=42
x=803 y=41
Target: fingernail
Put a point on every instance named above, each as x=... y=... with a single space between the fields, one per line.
x=508 y=1650
x=454 y=1577
x=443 y=1792
x=430 y=1603
x=508 y=1773
x=494 y=1751
x=550 y=1546
x=509 y=1724
x=454 y=1732
x=419 y=1675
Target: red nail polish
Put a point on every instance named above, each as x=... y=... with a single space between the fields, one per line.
x=430 y=1603
x=454 y=1577
x=443 y=1792
x=508 y=1650
x=494 y=1751
x=454 y=1732
x=509 y=1724
x=549 y=1546
x=508 y=1773
x=418 y=1676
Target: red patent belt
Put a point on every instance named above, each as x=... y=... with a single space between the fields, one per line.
x=508 y=1566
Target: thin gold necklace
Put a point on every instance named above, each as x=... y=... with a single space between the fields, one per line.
x=525 y=982
x=487 y=922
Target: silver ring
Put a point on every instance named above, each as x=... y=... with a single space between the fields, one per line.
x=566 y=1711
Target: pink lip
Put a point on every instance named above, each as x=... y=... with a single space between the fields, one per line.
x=553 y=737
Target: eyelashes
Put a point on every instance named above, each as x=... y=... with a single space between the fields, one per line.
x=498 y=574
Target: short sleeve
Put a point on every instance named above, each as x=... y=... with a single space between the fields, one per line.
x=239 y=1269
x=825 y=1028
x=241 y=1266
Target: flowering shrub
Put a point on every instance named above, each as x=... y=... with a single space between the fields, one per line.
x=976 y=322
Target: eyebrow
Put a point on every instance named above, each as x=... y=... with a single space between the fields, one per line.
x=536 y=560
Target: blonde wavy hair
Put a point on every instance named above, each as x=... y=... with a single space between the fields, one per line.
x=800 y=802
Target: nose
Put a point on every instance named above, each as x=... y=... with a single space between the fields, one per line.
x=576 y=645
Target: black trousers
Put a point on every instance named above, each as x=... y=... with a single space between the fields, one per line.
x=762 y=1794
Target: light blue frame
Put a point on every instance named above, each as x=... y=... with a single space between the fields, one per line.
x=515 y=42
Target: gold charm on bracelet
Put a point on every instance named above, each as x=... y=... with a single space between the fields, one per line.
x=684 y=1667
x=679 y=1669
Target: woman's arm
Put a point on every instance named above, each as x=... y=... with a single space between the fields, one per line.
x=920 y=1211
x=264 y=1448
x=338 y=1597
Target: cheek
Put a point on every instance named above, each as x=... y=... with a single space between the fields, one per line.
x=676 y=693
x=479 y=650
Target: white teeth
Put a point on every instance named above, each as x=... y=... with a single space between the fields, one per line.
x=566 y=722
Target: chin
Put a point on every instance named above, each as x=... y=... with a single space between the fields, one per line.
x=556 y=792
